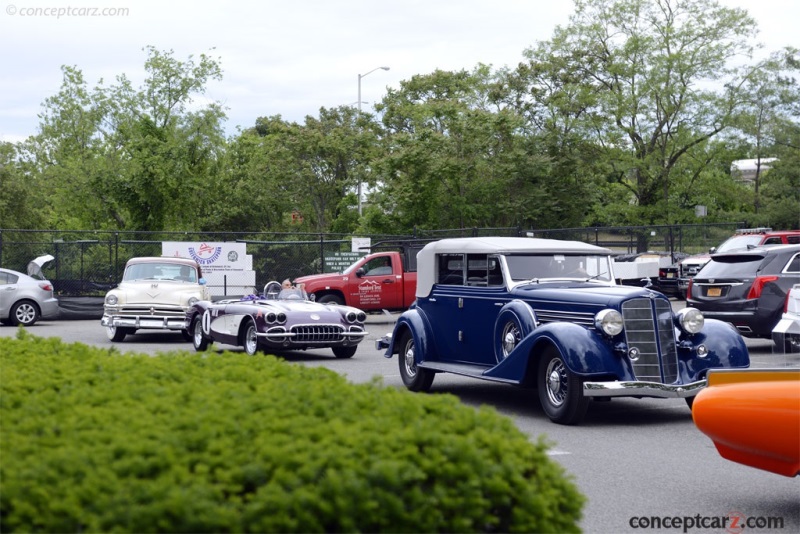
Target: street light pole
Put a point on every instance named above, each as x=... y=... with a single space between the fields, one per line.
x=359 y=116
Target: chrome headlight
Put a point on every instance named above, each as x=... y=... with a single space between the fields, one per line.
x=691 y=320
x=609 y=321
x=111 y=300
x=193 y=300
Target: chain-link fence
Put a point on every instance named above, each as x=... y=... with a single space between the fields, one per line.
x=89 y=263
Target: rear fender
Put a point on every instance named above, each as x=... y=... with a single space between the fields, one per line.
x=415 y=322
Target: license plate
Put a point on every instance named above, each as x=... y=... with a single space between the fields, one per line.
x=670 y=275
x=714 y=292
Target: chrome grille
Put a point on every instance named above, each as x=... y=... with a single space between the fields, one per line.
x=549 y=316
x=649 y=333
x=155 y=311
x=317 y=333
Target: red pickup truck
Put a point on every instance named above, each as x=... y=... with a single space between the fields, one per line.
x=379 y=281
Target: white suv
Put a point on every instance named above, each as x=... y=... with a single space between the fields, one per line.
x=786 y=333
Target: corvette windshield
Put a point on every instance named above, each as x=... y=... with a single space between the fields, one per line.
x=542 y=267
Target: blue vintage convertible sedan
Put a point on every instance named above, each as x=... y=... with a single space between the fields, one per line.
x=548 y=314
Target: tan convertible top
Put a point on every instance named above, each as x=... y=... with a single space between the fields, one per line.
x=492 y=245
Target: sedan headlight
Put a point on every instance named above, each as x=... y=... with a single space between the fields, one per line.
x=691 y=320
x=609 y=321
x=193 y=300
x=111 y=300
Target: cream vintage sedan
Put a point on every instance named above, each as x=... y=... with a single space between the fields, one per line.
x=155 y=293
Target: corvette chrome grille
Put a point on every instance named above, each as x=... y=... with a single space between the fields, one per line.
x=317 y=333
x=648 y=328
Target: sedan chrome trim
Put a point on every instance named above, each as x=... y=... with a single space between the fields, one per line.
x=645 y=389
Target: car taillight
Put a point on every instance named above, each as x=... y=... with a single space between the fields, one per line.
x=46 y=286
x=786 y=302
x=689 y=288
x=758 y=286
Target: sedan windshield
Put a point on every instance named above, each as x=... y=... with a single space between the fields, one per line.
x=542 y=267
x=160 y=271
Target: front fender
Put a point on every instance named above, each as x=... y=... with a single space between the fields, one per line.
x=415 y=322
x=585 y=353
x=726 y=349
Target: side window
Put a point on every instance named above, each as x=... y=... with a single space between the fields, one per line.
x=772 y=241
x=451 y=269
x=494 y=272
x=794 y=265
x=380 y=266
x=793 y=239
x=477 y=268
x=8 y=278
x=483 y=270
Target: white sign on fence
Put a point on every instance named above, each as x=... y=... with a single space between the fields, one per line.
x=227 y=267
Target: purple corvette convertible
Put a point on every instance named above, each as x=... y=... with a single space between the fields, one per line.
x=279 y=320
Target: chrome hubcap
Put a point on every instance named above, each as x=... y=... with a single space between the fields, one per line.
x=198 y=333
x=411 y=367
x=556 y=378
x=510 y=338
x=251 y=341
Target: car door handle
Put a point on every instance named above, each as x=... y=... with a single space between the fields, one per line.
x=388 y=281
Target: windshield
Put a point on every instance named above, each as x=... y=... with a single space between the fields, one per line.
x=294 y=293
x=739 y=242
x=160 y=271
x=541 y=267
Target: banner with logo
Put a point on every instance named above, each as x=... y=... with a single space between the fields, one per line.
x=227 y=268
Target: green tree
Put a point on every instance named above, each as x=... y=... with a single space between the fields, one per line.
x=452 y=154
x=21 y=203
x=648 y=83
x=119 y=157
x=312 y=169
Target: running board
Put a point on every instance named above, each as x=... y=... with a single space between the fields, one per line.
x=475 y=371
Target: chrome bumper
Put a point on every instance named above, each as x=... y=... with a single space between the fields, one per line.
x=642 y=389
x=787 y=326
x=139 y=322
x=383 y=343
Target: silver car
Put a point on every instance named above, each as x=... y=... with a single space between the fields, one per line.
x=26 y=298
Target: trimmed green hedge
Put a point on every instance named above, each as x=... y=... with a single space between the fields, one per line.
x=95 y=441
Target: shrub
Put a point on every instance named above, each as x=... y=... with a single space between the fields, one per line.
x=92 y=440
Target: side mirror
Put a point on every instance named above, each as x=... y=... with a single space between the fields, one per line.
x=361 y=272
x=202 y=281
x=712 y=250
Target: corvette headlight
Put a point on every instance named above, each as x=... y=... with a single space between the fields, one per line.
x=111 y=300
x=691 y=320
x=609 y=321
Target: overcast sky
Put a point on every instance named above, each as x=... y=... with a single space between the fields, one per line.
x=284 y=58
